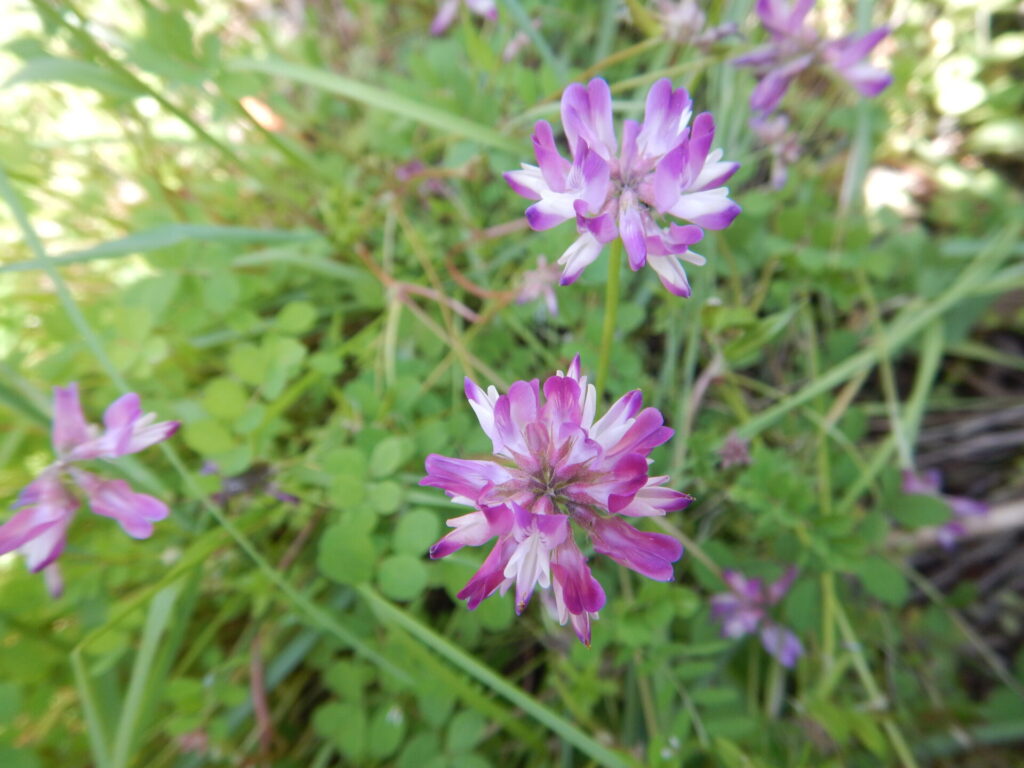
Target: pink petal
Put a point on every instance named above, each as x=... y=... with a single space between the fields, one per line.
x=631 y=230
x=552 y=165
x=581 y=592
x=782 y=644
x=587 y=115
x=463 y=477
x=578 y=256
x=671 y=274
x=446 y=14
x=712 y=209
x=649 y=554
x=473 y=530
x=136 y=512
x=69 y=425
x=490 y=575
x=528 y=182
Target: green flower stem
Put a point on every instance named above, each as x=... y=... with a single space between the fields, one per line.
x=611 y=311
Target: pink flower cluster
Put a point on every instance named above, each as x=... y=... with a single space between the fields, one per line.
x=663 y=167
x=555 y=466
x=47 y=505
x=794 y=47
x=743 y=610
x=929 y=483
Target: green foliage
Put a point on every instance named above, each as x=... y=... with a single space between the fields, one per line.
x=209 y=204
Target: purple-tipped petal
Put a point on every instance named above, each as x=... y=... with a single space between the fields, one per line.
x=711 y=209
x=490 y=576
x=666 y=114
x=649 y=554
x=671 y=274
x=463 y=477
x=866 y=80
x=473 y=530
x=645 y=434
x=527 y=182
x=601 y=227
x=45 y=509
x=136 y=512
x=653 y=500
x=547 y=214
x=580 y=590
x=42 y=551
x=631 y=230
x=578 y=257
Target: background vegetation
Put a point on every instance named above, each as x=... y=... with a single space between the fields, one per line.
x=283 y=223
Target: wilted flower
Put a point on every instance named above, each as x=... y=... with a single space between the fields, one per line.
x=735 y=451
x=257 y=479
x=684 y=23
x=744 y=610
x=773 y=132
x=540 y=283
x=46 y=506
x=929 y=483
x=430 y=185
x=663 y=166
x=794 y=47
x=556 y=466
x=449 y=9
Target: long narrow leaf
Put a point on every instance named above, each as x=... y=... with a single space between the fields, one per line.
x=165 y=236
x=381 y=98
x=392 y=614
x=904 y=327
x=156 y=623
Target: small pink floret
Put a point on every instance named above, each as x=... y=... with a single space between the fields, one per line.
x=46 y=506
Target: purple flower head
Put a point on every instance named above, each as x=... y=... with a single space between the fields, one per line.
x=743 y=610
x=929 y=483
x=794 y=47
x=663 y=167
x=449 y=9
x=555 y=470
x=45 y=507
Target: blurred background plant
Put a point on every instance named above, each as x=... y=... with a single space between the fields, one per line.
x=284 y=225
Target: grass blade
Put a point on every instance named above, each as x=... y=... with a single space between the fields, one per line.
x=380 y=98
x=904 y=327
x=156 y=623
x=165 y=236
x=392 y=614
